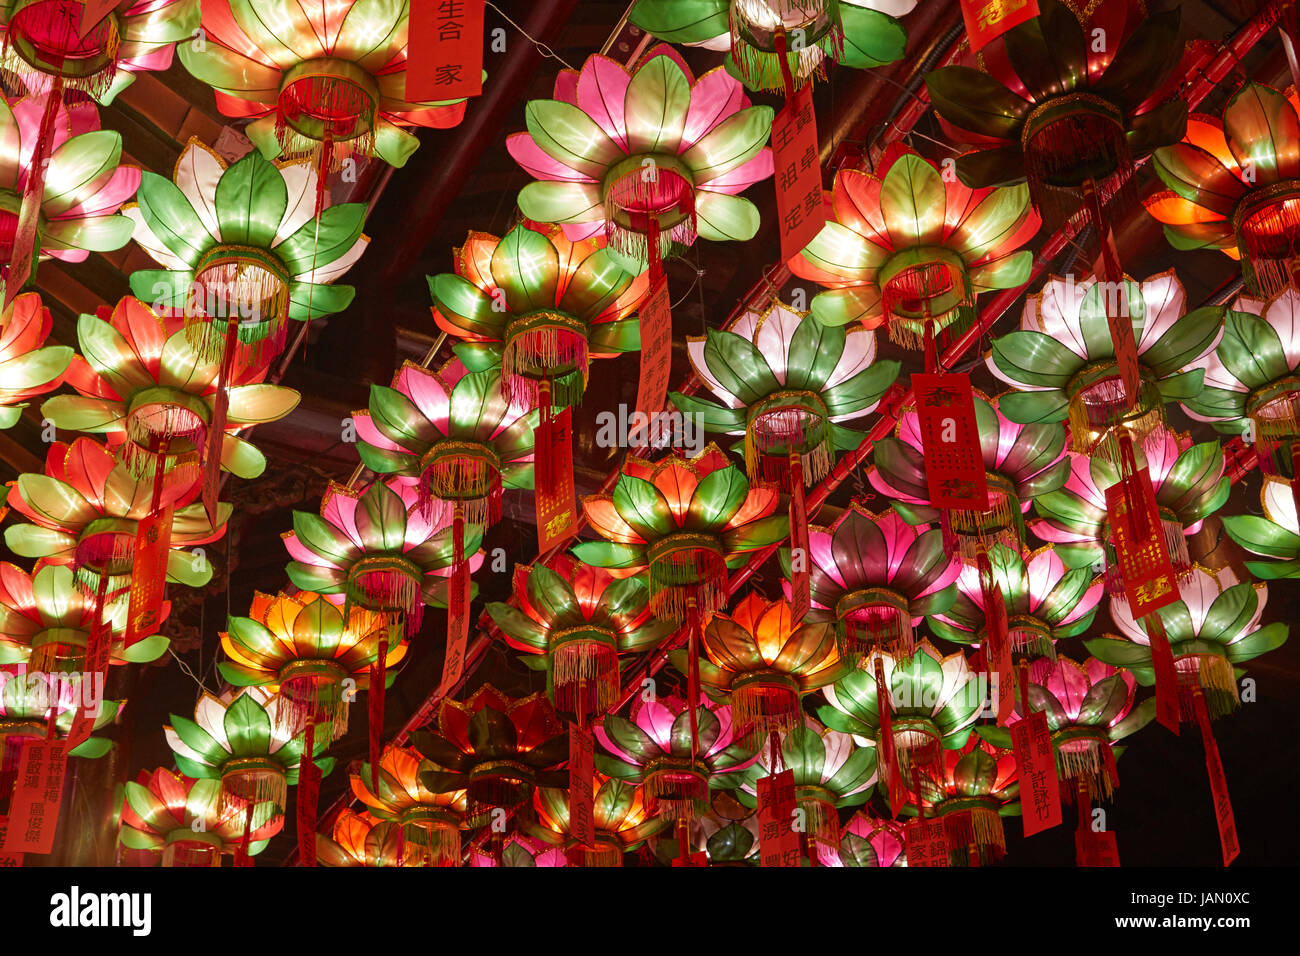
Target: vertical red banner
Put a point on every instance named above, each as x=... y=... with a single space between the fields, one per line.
x=582 y=774
x=950 y=438
x=453 y=665
x=309 y=777
x=91 y=689
x=998 y=653
x=1139 y=540
x=888 y=750
x=656 y=324
x=801 y=212
x=444 y=53
x=1095 y=849
x=986 y=20
x=1162 y=662
x=778 y=843
x=926 y=842
x=1223 y=816
x=34 y=807
x=153 y=541
x=557 y=508
x=800 y=585
x=1040 y=789
x=7 y=859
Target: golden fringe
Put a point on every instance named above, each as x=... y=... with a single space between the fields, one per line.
x=1213 y=674
x=585 y=668
x=604 y=855
x=1087 y=765
x=191 y=854
x=762 y=709
x=258 y=785
x=979 y=827
x=823 y=821
x=430 y=845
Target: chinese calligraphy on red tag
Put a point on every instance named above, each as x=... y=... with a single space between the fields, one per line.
x=1040 y=790
x=445 y=51
x=153 y=541
x=778 y=841
x=1095 y=849
x=557 y=509
x=800 y=591
x=986 y=20
x=34 y=806
x=582 y=770
x=453 y=665
x=656 y=323
x=927 y=843
x=954 y=464
x=1143 y=560
x=801 y=212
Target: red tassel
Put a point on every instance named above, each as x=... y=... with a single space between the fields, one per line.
x=241 y=852
x=308 y=797
x=20 y=259
x=376 y=705
x=217 y=427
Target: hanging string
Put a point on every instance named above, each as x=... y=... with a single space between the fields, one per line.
x=541 y=47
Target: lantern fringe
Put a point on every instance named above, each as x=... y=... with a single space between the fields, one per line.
x=589 y=669
x=981 y=530
x=872 y=626
x=823 y=823
x=489 y=792
x=1083 y=760
x=769 y=439
x=1103 y=411
x=979 y=827
x=761 y=709
x=685 y=573
x=105 y=551
x=542 y=353
x=388 y=592
x=920 y=758
x=57 y=30
x=157 y=428
x=1058 y=149
x=230 y=287
x=643 y=196
x=461 y=479
x=190 y=854
x=239 y=788
x=340 y=101
x=916 y=287
x=1267 y=246
x=55 y=657
x=424 y=845
x=310 y=698
x=1213 y=674
x=603 y=855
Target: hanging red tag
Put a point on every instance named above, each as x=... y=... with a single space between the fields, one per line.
x=1223 y=817
x=1162 y=662
x=309 y=777
x=7 y=859
x=38 y=792
x=888 y=750
x=582 y=772
x=800 y=587
x=656 y=322
x=999 y=650
x=153 y=541
x=557 y=508
x=1040 y=790
x=778 y=842
x=695 y=859
x=29 y=211
x=926 y=842
x=986 y=20
x=1095 y=849
x=453 y=665
x=242 y=857
x=954 y=463
x=444 y=54
x=1143 y=561
x=94 y=675
x=801 y=213
x=375 y=711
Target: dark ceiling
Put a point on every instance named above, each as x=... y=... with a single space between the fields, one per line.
x=463 y=179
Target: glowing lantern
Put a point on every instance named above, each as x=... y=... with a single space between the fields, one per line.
x=430 y=822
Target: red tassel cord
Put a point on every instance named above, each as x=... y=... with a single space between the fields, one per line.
x=217 y=428
x=375 y=702
x=308 y=796
x=241 y=852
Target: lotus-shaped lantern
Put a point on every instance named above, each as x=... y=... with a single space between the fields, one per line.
x=1215 y=626
x=1275 y=535
x=913 y=249
x=1189 y=486
x=378 y=549
x=358 y=839
x=581 y=617
x=1063 y=358
x=786 y=383
x=1045 y=602
x=876 y=577
x=644 y=151
x=762 y=661
x=1234 y=185
x=315 y=78
x=46 y=622
x=978 y=788
x=1021 y=462
x=653 y=747
x=622 y=821
x=240 y=245
x=183 y=820
x=48 y=41
x=242 y=739
x=452 y=435
x=687 y=521
x=142 y=384
x=84 y=187
x=868 y=841
x=30 y=701
x=300 y=647
x=758 y=33
x=934 y=702
x=27 y=369
x=431 y=822
x=1046 y=102
x=518 y=850
x=541 y=305
x=494 y=746
x=84 y=511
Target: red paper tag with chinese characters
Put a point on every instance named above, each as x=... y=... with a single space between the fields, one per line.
x=7 y=859
x=778 y=842
x=453 y=665
x=444 y=58
x=800 y=586
x=927 y=843
x=1095 y=849
x=1223 y=816
x=1040 y=790
x=582 y=772
x=34 y=806
x=954 y=463
x=801 y=213
x=1162 y=662
x=557 y=508
x=656 y=322
x=986 y=20
x=153 y=541
x=91 y=690
x=309 y=777
x=1143 y=561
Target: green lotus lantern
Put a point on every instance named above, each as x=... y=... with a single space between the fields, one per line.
x=978 y=788
x=787 y=383
x=622 y=820
x=40 y=706
x=1276 y=535
x=430 y=822
x=540 y=305
x=358 y=839
x=686 y=521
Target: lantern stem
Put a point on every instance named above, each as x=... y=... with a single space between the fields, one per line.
x=783 y=61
